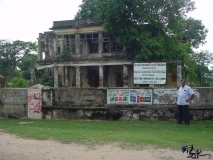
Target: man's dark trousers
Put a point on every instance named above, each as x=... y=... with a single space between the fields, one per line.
x=183 y=112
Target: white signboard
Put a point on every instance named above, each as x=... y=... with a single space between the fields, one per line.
x=150 y=73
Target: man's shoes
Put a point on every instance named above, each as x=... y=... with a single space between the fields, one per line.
x=187 y=124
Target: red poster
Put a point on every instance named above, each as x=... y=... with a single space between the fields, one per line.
x=34 y=100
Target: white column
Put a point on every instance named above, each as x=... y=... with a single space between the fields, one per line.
x=71 y=73
x=61 y=43
x=100 y=42
x=77 y=43
x=66 y=76
x=125 y=76
x=101 y=76
x=46 y=48
x=179 y=74
x=40 y=56
x=56 y=77
x=55 y=47
x=78 y=77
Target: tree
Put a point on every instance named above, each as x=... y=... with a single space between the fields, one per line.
x=203 y=60
x=18 y=82
x=3 y=67
x=65 y=54
x=13 y=52
x=43 y=78
x=194 y=32
x=87 y=10
x=150 y=30
x=27 y=63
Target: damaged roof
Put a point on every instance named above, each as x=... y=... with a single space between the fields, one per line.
x=75 y=23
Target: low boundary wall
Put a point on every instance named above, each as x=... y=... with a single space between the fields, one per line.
x=95 y=103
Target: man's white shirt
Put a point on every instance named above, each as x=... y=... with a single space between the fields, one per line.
x=183 y=94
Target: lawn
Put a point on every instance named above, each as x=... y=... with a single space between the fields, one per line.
x=161 y=134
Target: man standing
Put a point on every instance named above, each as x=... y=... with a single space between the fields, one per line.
x=185 y=95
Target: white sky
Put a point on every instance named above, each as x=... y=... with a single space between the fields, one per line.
x=25 y=19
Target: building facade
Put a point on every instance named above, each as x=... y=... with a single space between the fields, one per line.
x=95 y=59
x=79 y=53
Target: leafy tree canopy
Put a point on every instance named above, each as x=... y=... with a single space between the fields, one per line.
x=65 y=54
x=203 y=59
x=139 y=25
x=43 y=78
x=194 y=32
x=27 y=63
x=18 y=82
x=13 y=52
x=87 y=10
x=150 y=30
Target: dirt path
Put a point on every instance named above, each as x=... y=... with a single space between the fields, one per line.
x=14 y=148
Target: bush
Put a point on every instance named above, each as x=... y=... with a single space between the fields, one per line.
x=18 y=82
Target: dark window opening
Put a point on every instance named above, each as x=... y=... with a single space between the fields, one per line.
x=70 y=41
x=59 y=51
x=106 y=73
x=119 y=80
x=74 y=80
x=106 y=47
x=92 y=41
x=93 y=77
x=110 y=45
x=95 y=35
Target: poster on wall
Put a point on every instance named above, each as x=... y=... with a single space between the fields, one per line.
x=169 y=96
x=117 y=96
x=196 y=97
x=140 y=96
x=165 y=96
x=150 y=73
x=34 y=100
x=129 y=96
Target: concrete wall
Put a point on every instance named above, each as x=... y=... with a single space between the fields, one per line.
x=91 y=103
x=13 y=103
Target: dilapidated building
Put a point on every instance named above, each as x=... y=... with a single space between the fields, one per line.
x=79 y=53
x=94 y=57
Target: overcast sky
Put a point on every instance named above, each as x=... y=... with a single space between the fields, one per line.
x=25 y=19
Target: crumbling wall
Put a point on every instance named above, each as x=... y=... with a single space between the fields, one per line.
x=13 y=103
x=76 y=97
x=91 y=103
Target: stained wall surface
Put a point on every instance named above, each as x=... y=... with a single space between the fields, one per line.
x=94 y=103
x=13 y=103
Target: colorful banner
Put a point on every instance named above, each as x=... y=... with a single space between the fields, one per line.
x=140 y=96
x=129 y=96
x=117 y=96
x=34 y=100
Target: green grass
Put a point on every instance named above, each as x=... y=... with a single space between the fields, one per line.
x=138 y=134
